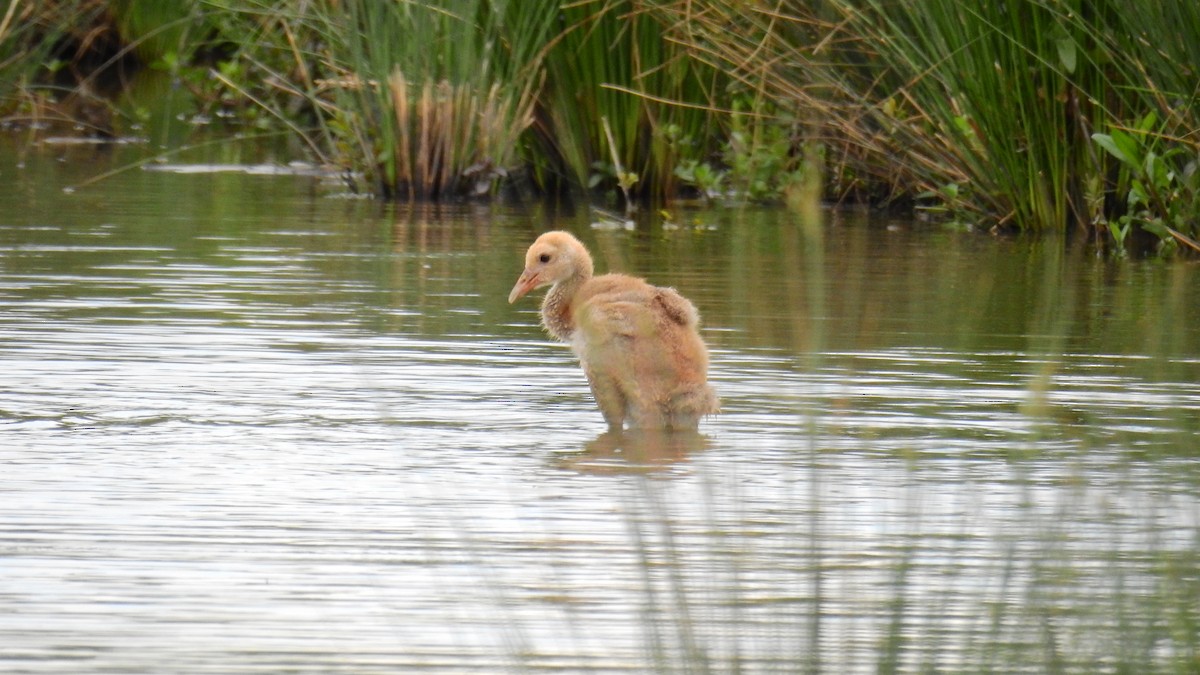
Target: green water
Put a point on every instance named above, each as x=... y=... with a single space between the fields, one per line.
x=249 y=423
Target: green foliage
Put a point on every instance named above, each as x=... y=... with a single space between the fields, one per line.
x=28 y=37
x=997 y=91
x=615 y=60
x=1158 y=197
x=426 y=99
x=1000 y=99
x=946 y=204
x=440 y=98
x=1014 y=113
x=762 y=157
x=760 y=161
x=708 y=181
x=165 y=32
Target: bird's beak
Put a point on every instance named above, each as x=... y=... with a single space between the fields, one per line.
x=527 y=282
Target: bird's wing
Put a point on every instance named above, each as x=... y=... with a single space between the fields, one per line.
x=645 y=311
x=604 y=318
x=673 y=307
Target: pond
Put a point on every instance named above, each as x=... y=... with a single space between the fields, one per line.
x=252 y=424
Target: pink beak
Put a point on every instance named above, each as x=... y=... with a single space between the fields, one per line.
x=527 y=282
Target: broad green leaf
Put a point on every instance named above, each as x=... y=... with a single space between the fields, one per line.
x=1067 y=54
x=1106 y=141
x=1156 y=227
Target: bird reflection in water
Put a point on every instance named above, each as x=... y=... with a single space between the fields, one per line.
x=635 y=451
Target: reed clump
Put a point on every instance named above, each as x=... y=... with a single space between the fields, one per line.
x=994 y=112
x=426 y=100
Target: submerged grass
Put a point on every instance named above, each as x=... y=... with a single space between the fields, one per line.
x=1030 y=578
x=1054 y=550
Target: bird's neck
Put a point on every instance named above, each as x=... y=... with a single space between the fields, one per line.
x=556 y=307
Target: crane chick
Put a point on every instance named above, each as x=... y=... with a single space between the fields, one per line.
x=639 y=344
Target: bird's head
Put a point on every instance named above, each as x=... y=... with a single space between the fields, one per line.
x=554 y=257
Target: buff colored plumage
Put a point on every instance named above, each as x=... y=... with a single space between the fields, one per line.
x=638 y=344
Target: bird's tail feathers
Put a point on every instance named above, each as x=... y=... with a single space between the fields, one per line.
x=686 y=406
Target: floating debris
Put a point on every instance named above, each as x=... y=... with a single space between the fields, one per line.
x=291 y=169
x=93 y=140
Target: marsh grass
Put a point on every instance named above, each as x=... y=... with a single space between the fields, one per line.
x=987 y=108
x=424 y=98
x=611 y=62
x=161 y=31
x=360 y=79
x=437 y=99
x=990 y=113
x=29 y=37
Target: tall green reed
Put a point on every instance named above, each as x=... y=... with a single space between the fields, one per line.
x=160 y=29
x=1006 y=87
x=1037 y=114
x=436 y=99
x=990 y=108
x=616 y=61
x=1156 y=181
x=423 y=97
x=29 y=36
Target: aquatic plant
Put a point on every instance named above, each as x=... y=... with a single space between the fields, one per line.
x=998 y=99
x=1156 y=183
x=30 y=35
x=160 y=30
x=439 y=99
x=68 y=64
x=616 y=60
x=759 y=161
x=1020 y=114
x=431 y=99
x=1158 y=198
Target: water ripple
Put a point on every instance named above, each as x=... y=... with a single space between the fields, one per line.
x=249 y=463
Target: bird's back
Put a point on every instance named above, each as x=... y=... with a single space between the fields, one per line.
x=643 y=339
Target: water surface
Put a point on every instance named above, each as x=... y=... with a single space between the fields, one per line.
x=252 y=425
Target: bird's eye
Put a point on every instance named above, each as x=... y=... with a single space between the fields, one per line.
x=545 y=257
